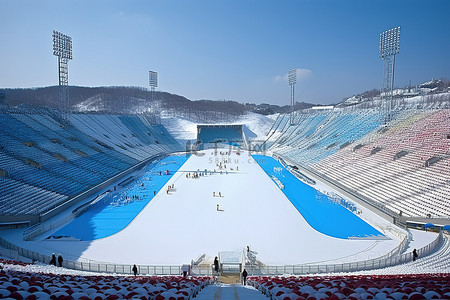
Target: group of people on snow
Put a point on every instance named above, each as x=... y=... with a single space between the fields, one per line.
x=54 y=259
x=170 y=188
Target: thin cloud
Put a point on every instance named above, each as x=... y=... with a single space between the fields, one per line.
x=302 y=73
x=280 y=78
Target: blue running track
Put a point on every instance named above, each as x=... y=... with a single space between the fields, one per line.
x=319 y=211
x=113 y=214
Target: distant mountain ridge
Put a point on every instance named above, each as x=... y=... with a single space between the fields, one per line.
x=118 y=99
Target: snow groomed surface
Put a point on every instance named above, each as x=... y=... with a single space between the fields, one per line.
x=113 y=214
x=318 y=210
x=177 y=227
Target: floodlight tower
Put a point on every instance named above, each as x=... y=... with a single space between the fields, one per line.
x=153 y=81
x=292 y=78
x=389 y=47
x=62 y=47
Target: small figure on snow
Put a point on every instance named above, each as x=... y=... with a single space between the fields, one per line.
x=53 y=259
x=216 y=264
x=60 y=260
x=185 y=270
x=415 y=255
x=244 y=276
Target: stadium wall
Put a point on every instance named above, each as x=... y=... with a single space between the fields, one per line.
x=9 y=222
x=206 y=134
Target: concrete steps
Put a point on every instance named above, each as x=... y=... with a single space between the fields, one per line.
x=230 y=291
x=230 y=278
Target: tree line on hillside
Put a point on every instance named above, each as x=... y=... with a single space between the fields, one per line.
x=135 y=99
x=130 y=100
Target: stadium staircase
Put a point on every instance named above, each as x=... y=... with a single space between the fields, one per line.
x=225 y=291
x=231 y=278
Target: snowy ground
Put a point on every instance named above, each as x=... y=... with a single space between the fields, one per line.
x=175 y=228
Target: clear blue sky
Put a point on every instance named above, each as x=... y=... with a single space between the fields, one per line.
x=236 y=50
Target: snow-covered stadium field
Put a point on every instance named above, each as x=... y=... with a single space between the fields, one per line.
x=177 y=227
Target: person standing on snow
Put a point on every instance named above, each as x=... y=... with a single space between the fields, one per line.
x=60 y=260
x=244 y=276
x=216 y=264
x=53 y=260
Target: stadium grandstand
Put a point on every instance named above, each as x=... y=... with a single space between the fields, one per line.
x=398 y=172
x=130 y=191
x=45 y=167
x=403 y=167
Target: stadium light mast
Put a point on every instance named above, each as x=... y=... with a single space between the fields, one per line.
x=153 y=81
x=292 y=78
x=62 y=48
x=389 y=47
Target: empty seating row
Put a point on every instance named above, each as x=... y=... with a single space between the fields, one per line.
x=36 y=150
x=314 y=136
x=15 y=284
x=20 y=198
x=406 y=184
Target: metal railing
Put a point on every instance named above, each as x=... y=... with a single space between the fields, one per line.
x=104 y=267
x=94 y=266
x=40 y=228
x=365 y=265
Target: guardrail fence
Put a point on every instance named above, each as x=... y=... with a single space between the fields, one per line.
x=94 y=266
